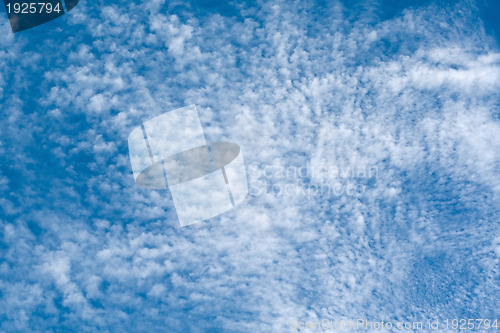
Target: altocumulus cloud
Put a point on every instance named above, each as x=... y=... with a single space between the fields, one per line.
x=413 y=95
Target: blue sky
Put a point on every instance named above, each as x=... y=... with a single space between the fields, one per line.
x=408 y=89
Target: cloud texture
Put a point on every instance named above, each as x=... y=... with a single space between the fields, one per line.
x=405 y=106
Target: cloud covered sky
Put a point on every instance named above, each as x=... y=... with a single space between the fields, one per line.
x=403 y=101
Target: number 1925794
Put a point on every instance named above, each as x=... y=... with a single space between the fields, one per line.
x=33 y=7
